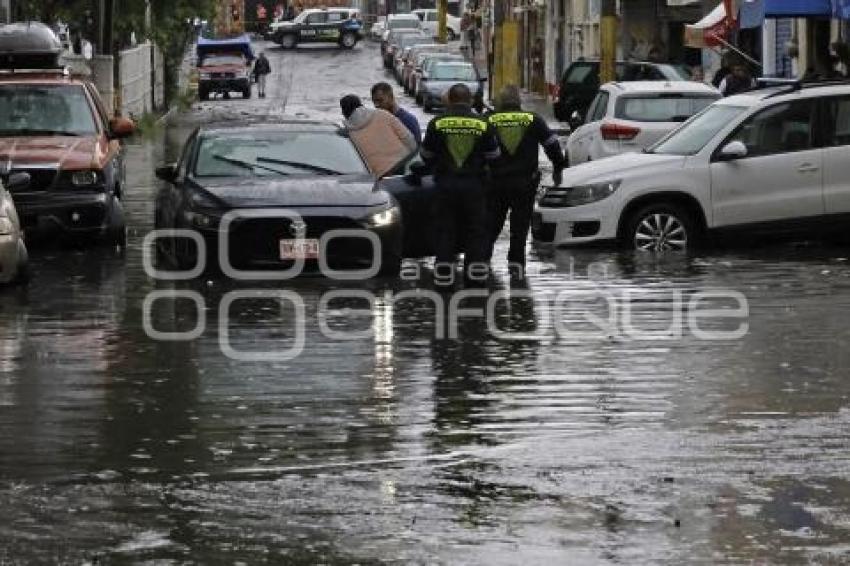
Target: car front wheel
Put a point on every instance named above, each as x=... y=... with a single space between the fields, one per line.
x=348 y=41
x=288 y=41
x=661 y=228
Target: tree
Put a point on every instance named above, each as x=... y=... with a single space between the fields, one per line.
x=170 y=29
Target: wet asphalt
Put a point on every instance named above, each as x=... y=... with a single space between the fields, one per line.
x=603 y=431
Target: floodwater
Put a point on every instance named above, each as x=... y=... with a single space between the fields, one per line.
x=593 y=421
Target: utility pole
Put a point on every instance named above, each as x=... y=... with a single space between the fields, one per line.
x=442 y=10
x=608 y=32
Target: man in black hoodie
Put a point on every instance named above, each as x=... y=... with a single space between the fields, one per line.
x=262 y=68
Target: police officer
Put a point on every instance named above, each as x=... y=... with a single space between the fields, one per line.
x=458 y=146
x=516 y=174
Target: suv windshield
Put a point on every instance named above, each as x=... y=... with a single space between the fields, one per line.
x=453 y=73
x=693 y=135
x=277 y=153
x=411 y=39
x=45 y=109
x=404 y=23
x=217 y=60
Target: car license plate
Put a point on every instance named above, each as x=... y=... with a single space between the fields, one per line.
x=299 y=249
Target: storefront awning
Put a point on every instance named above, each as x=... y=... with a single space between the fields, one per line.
x=711 y=31
x=798 y=8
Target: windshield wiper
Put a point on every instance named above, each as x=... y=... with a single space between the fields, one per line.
x=316 y=168
x=247 y=164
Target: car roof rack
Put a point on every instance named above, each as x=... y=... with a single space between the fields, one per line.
x=792 y=85
x=59 y=72
x=787 y=85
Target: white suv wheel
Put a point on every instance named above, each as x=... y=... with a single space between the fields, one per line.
x=661 y=228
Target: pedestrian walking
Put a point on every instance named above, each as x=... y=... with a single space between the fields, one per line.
x=459 y=146
x=516 y=173
x=381 y=138
x=384 y=98
x=262 y=68
x=738 y=81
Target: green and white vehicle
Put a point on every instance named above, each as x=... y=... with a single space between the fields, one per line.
x=328 y=25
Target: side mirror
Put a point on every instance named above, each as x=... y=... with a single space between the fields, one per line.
x=18 y=181
x=575 y=120
x=733 y=150
x=120 y=128
x=167 y=173
x=419 y=169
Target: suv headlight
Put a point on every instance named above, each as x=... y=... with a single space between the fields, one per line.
x=6 y=227
x=578 y=195
x=85 y=178
x=384 y=218
x=202 y=211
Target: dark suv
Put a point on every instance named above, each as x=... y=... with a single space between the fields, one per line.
x=580 y=83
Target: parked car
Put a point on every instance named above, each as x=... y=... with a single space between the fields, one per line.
x=423 y=61
x=377 y=29
x=396 y=23
x=392 y=44
x=770 y=160
x=13 y=251
x=430 y=23
x=580 y=83
x=224 y=66
x=55 y=127
x=628 y=117
x=308 y=167
x=402 y=50
x=320 y=25
x=441 y=75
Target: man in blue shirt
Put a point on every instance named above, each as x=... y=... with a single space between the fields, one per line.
x=383 y=98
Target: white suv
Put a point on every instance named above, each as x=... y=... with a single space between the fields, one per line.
x=431 y=24
x=631 y=116
x=768 y=160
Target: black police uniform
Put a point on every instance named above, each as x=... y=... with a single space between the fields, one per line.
x=458 y=146
x=516 y=174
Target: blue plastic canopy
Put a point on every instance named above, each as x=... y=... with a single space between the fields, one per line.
x=241 y=44
x=798 y=8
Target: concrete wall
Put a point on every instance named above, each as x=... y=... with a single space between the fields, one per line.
x=136 y=80
x=102 y=69
x=158 y=79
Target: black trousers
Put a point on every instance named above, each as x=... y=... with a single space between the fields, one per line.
x=461 y=213
x=514 y=196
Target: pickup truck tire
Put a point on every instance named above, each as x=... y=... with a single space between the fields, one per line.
x=288 y=41
x=246 y=93
x=348 y=40
x=203 y=94
x=116 y=230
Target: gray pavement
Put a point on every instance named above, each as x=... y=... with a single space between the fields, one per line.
x=604 y=431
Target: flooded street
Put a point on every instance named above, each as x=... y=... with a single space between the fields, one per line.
x=604 y=429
